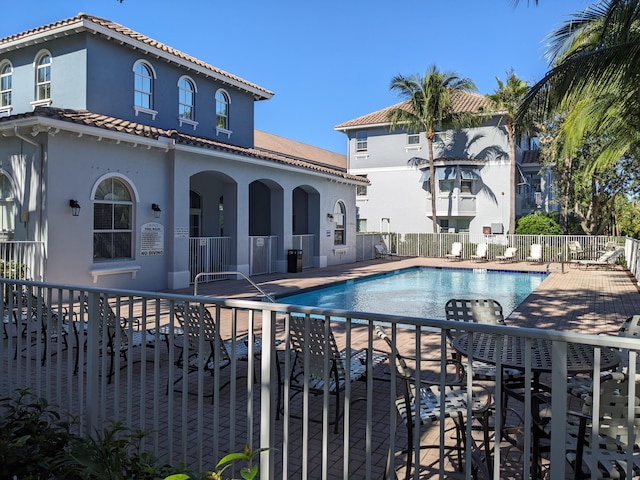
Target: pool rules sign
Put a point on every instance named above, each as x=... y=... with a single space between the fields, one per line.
x=152 y=239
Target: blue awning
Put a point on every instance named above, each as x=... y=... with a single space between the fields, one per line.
x=446 y=173
x=470 y=173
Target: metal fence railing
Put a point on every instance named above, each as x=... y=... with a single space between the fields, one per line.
x=230 y=375
x=209 y=254
x=554 y=247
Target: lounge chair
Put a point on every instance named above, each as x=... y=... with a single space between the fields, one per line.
x=618 y=422
x=607 y=259
x=200 y=327
x=535 y=253
x=509 y=255
x=122 y=333
x=382 y=252
x=481 y=253
x=309 y=337
x=576 y=252
x=421 y=398
x=456 y=252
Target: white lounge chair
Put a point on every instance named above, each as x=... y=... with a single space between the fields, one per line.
x=607 y=259
x=481 y=253
x=509 y=255
x=456 y=252
x=535 y=253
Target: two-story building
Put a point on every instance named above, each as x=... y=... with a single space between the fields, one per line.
x=138 y=166
x=472 y=171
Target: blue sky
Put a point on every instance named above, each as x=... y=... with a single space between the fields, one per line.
x=330 y=61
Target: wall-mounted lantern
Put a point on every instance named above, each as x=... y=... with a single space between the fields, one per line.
x=75 y=207
x=156 y=210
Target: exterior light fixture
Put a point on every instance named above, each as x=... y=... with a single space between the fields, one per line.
x=156 y=210
x=330 y=217
x=75 y=207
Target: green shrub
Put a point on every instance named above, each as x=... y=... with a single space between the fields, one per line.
x=32 y=436
x=538 y=224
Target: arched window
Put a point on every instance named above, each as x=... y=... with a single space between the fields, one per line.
x=186 y=97
x=144 y=76
x=7 y=205
x=43 y=77
x=340 y=217
x=222 y=111
x=112 y=220
x=186 y=101
x=6 y=73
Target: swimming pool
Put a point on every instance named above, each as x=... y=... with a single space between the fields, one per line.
x=421 y=291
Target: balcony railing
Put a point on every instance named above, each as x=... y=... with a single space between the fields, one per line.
x=127 y=358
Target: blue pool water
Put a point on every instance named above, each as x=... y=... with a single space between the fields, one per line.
x=421 y=292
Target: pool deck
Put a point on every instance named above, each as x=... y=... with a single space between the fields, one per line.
x=587 y=301
x=596 y=300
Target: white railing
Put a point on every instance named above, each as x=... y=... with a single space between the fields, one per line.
x=209 y=254
x=306 y=244
x=554 y=247
x=632 y=255
x=263 y=254
x=195 y=415
x=22 y=260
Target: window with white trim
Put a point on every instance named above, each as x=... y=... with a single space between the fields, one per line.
x=6 y=74
x=413 y=139
x=7 y=204
x=186 y=99
x=222 y=111
x=43 y=78
x=361 y=190
x=440 y=137
x=361 y=141
x=112 y=220
x=143 y=78
x=339 y=217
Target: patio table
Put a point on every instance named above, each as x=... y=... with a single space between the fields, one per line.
x=580 y=359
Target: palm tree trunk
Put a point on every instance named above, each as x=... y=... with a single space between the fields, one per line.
x=512 y=178
x=432 y=183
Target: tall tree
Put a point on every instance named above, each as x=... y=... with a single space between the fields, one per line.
x=429 y=105
x=507 y=99
x=595 y=59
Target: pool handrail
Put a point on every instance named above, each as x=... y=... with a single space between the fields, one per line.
x=266 y=295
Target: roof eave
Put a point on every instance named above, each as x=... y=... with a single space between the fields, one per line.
x=85 y=24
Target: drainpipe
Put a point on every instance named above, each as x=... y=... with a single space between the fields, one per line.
x=41 y=170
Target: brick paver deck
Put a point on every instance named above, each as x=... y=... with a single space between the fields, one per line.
x=589 y=301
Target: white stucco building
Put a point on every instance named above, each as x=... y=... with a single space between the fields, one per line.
x=159 y=151
x=472 y=174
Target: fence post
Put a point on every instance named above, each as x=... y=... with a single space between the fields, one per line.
x=93 y=353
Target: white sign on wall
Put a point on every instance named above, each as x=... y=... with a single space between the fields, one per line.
x=152 y=239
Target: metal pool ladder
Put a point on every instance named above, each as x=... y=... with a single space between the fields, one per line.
x=264 y=294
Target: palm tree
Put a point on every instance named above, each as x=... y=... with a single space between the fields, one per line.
x=507 y=99
x=429 y=104
x=595 y=58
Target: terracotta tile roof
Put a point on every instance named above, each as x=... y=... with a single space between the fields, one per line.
x=269 y=142
x=284 y=157
x=462 y=102
x=86 y=22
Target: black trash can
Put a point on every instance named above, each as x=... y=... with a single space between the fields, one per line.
x=294 y=261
